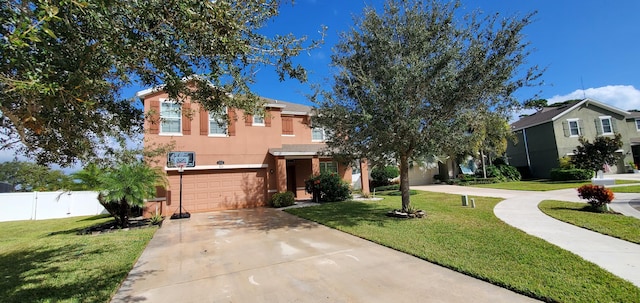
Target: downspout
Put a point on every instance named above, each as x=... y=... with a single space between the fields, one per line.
x=526 y=149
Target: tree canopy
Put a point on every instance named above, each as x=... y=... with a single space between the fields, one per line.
x=594 y=155
x=63 y=65
x=27 y=176
x=411 y=80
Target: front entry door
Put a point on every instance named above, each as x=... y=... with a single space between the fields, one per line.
x=291 y=179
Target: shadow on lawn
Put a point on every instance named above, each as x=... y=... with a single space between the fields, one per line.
x=35 y=275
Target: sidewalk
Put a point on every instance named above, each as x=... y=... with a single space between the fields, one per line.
x=520 y=210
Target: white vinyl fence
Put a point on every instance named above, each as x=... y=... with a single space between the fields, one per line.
x=49 y=205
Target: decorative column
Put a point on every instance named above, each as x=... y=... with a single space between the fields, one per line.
x=315 y=165
x=281 y=174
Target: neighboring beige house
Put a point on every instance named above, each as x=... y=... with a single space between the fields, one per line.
x=553 y=132
x=242 y=163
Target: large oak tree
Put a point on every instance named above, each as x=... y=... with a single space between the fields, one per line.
x=411 y=79
x=63 y=65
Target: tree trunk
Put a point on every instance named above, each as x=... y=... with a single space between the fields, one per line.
x=404 y=182
x=123 y=214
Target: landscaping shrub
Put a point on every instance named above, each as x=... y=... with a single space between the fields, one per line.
x=503 y=173
x=327 y=187
x=571 y=174
x=388 y=187
x=381 y=176
x=282 y=199
x=597 y=196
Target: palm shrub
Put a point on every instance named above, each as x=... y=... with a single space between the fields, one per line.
x=128 y=185
x=597 y=196
x=327 y=187
x=503 y=173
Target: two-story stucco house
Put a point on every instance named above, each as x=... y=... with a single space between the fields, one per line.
x=551 y=133
x=240 y=162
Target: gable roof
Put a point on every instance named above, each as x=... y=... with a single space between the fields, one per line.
x=288 y=108
x=552 y=113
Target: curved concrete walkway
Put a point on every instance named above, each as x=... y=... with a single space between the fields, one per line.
x=520 y=210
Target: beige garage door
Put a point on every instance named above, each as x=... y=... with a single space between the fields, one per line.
x=220 y=189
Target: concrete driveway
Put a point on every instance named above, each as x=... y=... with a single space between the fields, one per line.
x=266 y=255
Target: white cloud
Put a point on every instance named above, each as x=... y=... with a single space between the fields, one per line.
x=624 y=97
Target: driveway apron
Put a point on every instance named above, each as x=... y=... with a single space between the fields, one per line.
x=266 y=255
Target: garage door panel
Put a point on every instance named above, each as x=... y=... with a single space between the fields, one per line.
x=216 y=190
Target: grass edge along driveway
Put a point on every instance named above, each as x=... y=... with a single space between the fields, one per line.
x=46 y=261
x=542 y=185
x=476 y=243
x=614 y=225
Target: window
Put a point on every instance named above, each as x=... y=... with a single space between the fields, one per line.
x=328 y=167
x=574 y=127
x=607 y=127
x=317 y=134
x=218 y=124
x=170 y=117
x=638 y=125
x=258 y=120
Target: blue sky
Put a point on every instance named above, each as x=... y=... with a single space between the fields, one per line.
x=583 y=44
x=588 y=44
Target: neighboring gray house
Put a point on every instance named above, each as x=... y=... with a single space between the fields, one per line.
x=553 y=132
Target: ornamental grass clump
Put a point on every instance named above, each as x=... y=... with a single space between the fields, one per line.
x=597 y=196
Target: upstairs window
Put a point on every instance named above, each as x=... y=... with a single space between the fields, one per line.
x=170 y=117
x=607 y=126
x=218 y=124
x=638 y=125
x=574 y=127
x=318 y=134
x=258 y=120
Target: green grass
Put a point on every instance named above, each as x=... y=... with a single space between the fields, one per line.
x=626 y=189
x=46 y=261
x=475 y=242
x=542 y=185
x=619 y=226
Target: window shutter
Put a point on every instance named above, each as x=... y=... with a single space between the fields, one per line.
x=231 y=130
x=204 y=122
x=267 y=119
x=565 y=128
x=598 y=126
x=614 y=126
x=248 y=120
x=154 y=117
x=287 y=125
x=186 y=120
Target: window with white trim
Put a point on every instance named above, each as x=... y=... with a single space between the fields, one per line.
x=574 y=127
x=607 y=127
x=328 y=167
x=258 y=120
x=170 y=117
x=318 y=134
x=638 y=124
x=218 y=124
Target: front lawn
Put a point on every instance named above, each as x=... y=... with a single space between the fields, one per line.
x=475 y=242
x=619 y=226
x=46 y=261
x=542 y=185
x=626 y=189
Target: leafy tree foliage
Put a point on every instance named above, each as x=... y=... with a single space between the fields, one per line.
x=537 y=104
x=594 y=155
x=128 y=185
x=409 y=78
x=63 y=65
x=27 y=176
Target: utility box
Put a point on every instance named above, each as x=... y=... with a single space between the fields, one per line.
x=465 y=200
